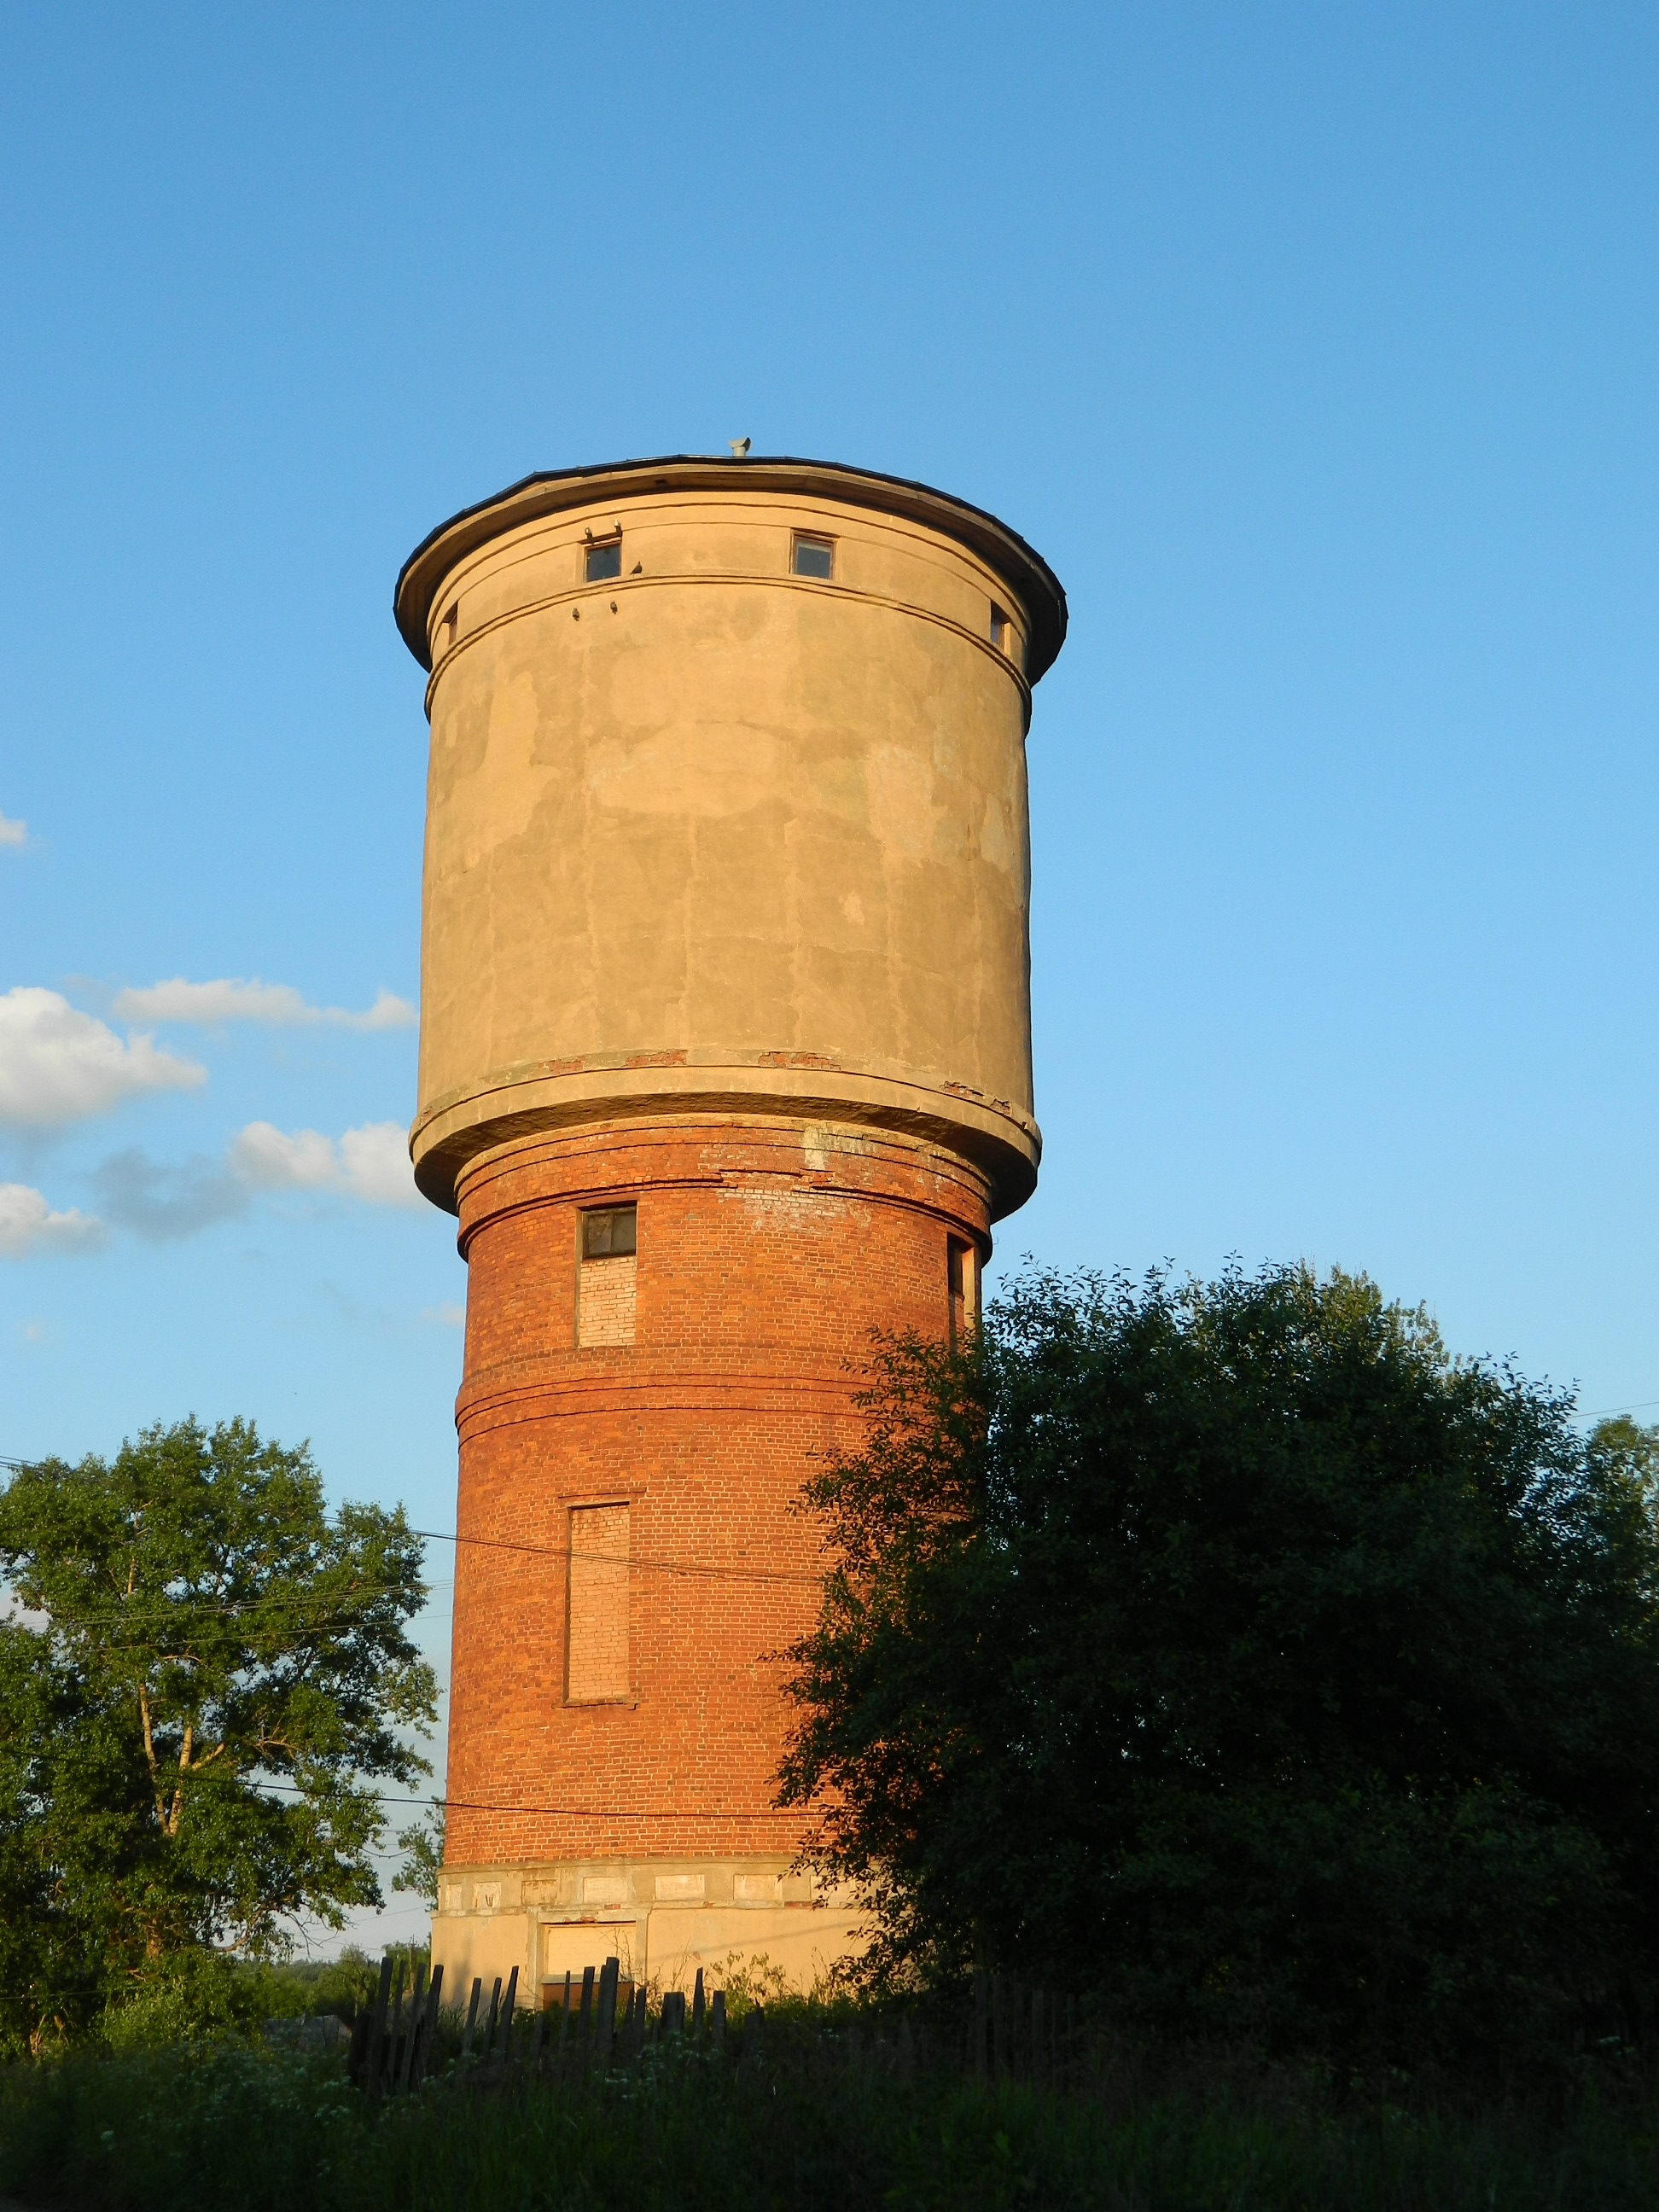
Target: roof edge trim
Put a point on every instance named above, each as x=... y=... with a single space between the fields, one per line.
x=555 y=491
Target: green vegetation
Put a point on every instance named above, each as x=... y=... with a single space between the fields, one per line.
x=825 y=2119
x=210 y=1674
x=1224 y=1657
x=1231 y=1656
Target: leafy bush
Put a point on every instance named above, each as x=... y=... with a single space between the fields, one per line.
x=1229 y=1654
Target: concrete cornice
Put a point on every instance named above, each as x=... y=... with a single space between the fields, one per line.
x=513 y=1104
x=556 y=491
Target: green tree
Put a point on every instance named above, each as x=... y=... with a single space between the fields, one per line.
x=1229 y=1652
x=209 y=1675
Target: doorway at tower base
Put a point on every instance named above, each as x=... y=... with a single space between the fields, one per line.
x=662 y=1919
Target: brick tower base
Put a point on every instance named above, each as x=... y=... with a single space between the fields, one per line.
x=668 y=1322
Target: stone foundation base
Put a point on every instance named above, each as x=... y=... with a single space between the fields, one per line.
x=662 y=1919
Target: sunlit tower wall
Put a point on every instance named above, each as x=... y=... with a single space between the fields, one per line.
x=725 y=1064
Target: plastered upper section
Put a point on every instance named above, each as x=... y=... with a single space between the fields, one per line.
x=714 y=831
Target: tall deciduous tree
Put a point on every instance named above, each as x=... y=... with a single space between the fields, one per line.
x=1231 y=1652
x=209 y=1675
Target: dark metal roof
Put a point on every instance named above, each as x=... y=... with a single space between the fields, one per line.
x=1027 y=575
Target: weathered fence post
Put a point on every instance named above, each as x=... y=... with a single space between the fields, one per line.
x=495 y=2009
x=717 y=2021
x=394 y=2027
x=537 y=2038
x=429 y=2028
x=674 y=2012
x=606 y=2028
x=377 y=2032
x=508 y=2011
x=696 y=2006
x=471 y=2016
x=564 y=2028
x=417 y=1990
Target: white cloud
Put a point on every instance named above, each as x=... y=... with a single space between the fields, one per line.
x=375 y=1160
x=239 y=998
x=371 y=1162
x=57 y=1064
x=264 y=1155
x=27 y=1220
x=449 y=1316
x=13 y=833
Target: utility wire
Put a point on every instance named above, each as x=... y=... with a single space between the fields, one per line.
x=693 y=1567
x=699 y=1569
x=588 y=1812
x=565 y=1812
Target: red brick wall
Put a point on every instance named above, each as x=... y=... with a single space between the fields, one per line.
x=768 y=1254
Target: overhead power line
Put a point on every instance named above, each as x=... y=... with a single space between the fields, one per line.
x=588 y=1812
x=698 y=1568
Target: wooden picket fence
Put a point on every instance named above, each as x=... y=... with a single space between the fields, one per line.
x=603 y=2021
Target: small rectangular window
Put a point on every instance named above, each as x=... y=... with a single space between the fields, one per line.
x=607 y=1280
x=963 y=1276
x=610 y=1234
x=814 y=557
x=999 y=629
x=596 y=1670
x=601 y=562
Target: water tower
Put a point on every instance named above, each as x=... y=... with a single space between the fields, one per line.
x=725 y=1064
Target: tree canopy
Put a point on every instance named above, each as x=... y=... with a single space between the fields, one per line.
x=1230 y=1653
x=208 y=1675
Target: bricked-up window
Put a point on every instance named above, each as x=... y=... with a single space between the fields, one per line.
x=604 y=1291
x=964 y=1274
x=596 y=1640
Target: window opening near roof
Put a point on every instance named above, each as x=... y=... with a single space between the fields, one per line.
x=607 y=1280
x=813 y=556
x=596 y=1639
x=999 y=628
x=601 y=562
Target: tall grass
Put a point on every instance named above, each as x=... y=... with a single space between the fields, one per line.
x=819 y=2120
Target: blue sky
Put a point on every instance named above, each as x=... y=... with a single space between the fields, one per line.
x=1315 y=348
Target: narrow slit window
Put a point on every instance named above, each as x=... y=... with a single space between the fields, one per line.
x=601 y=562
x=999 y=628
x=448 y=627
x=607 y=1276
x=596 y=1635
x=814 y=557
x=963 y=1277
